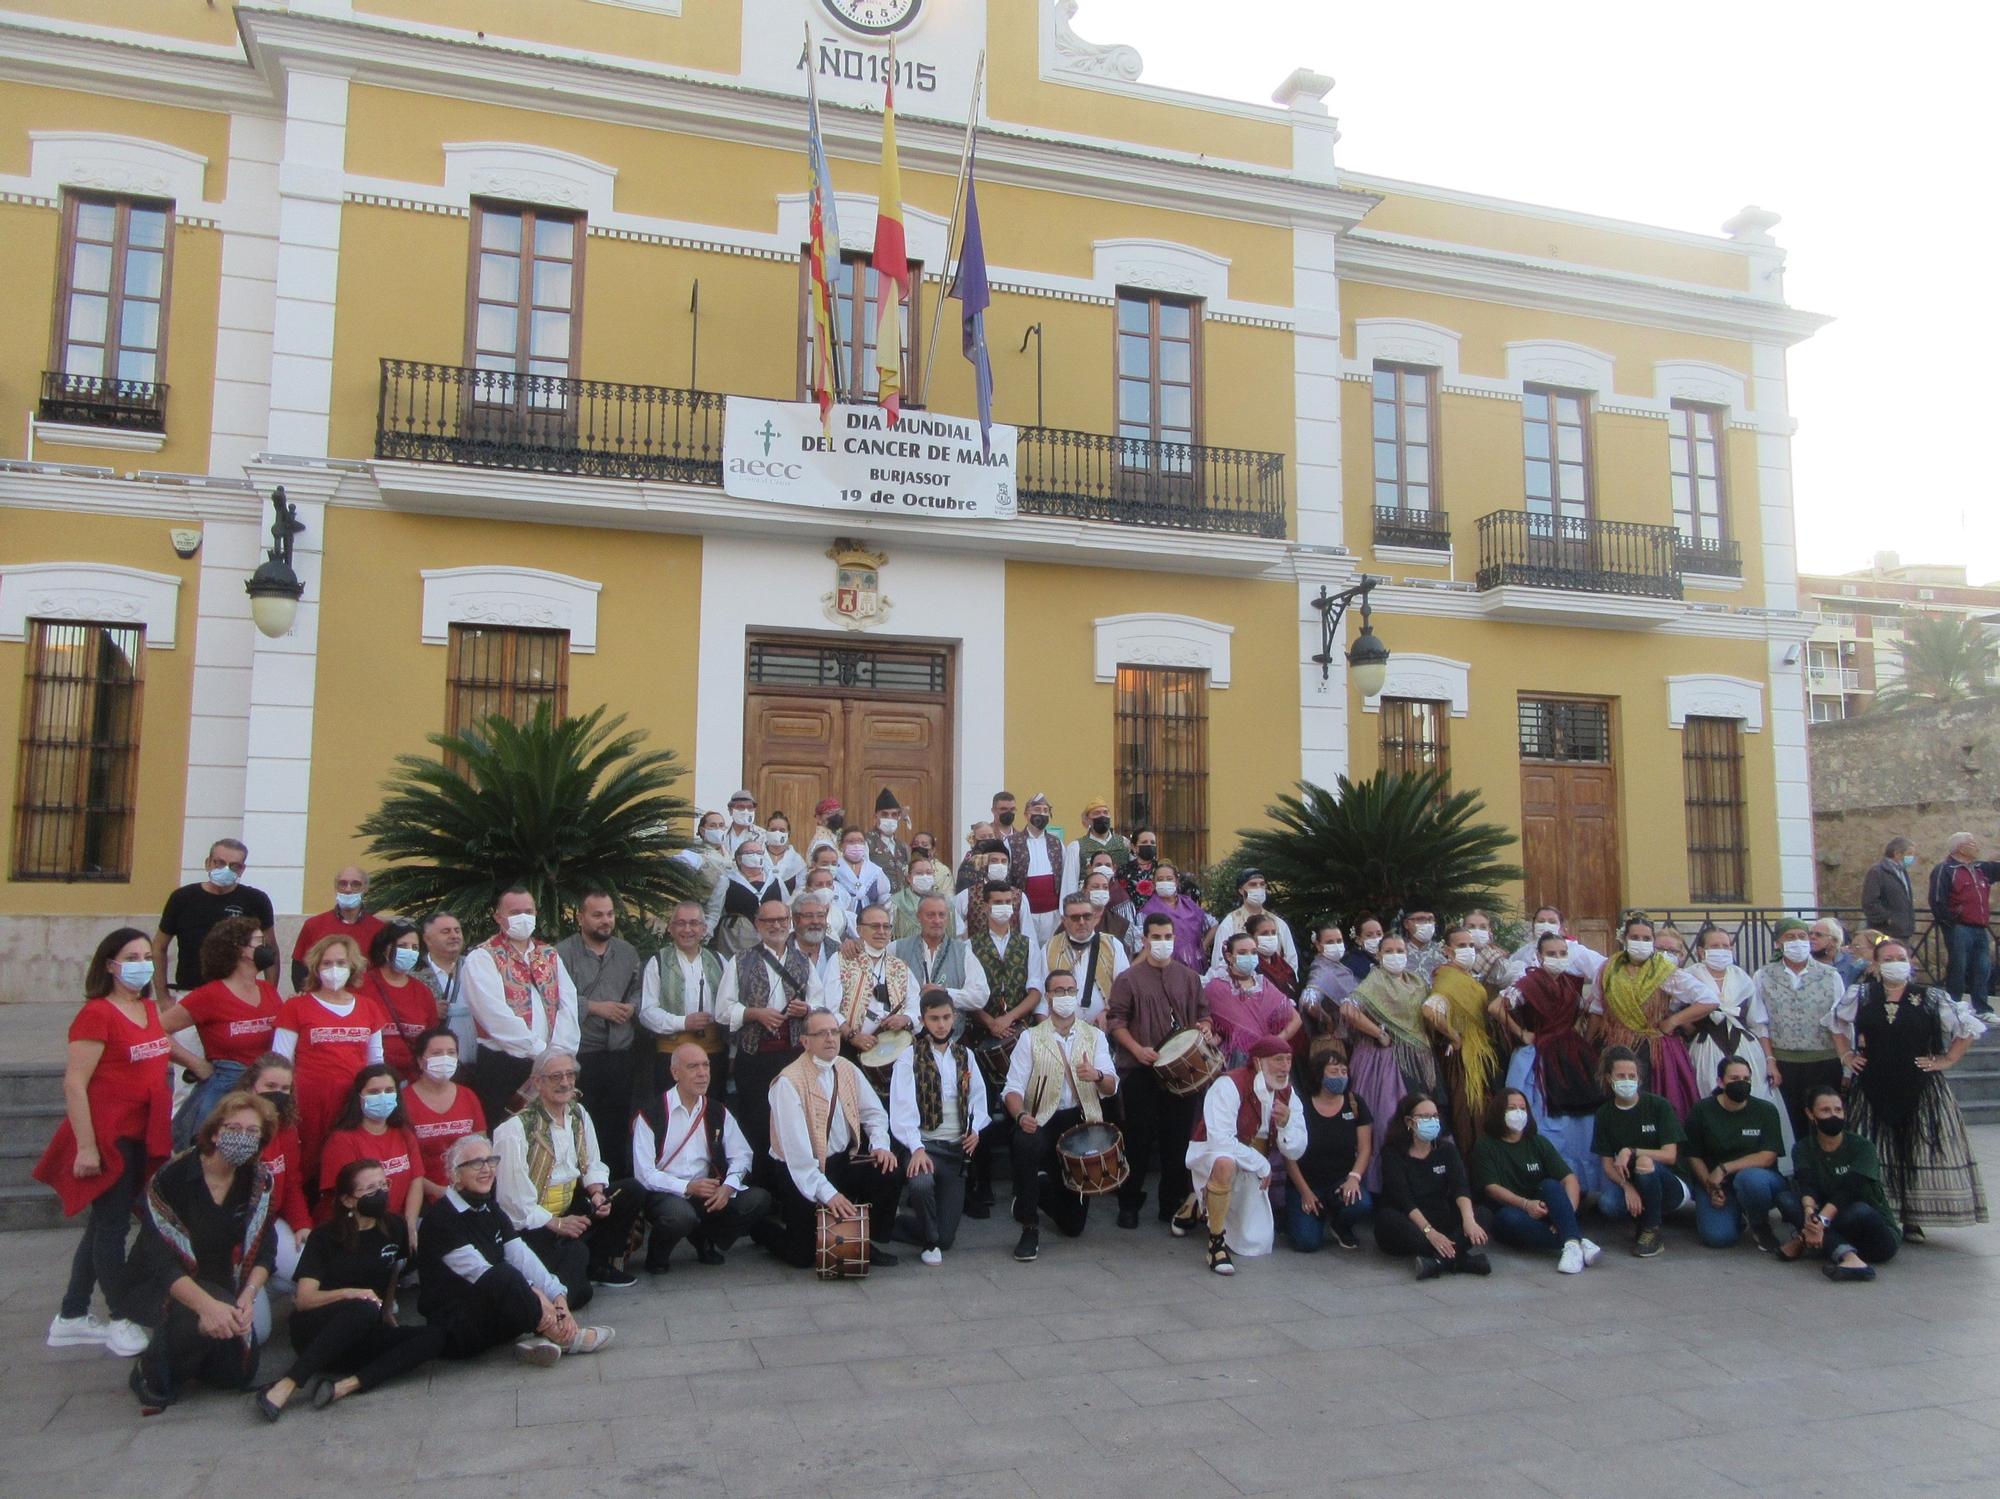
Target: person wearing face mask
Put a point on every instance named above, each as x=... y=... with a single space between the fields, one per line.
x=270 y=1078
x=523 y=1002
x=605 y=969
x=1733 y=1021
x=1896 y=1041
x=192 y=911
x=204 y=1252
x=857 y=880
x=373 y=1127
x=837 y=922
x=1004 y=984
x=1828 y=943
x=710 y=859
x=1247 y=1114
x=830 y=1140
x=1641 y=1014
x=989 y=864
x=1360 y=957
x=1245 y=1007
x=438 y=1108
x=922 y=884
x=1328 y=982
x=877 y=992
x=1491 y=964
x=1732 y=1158
x=330 y=1032
x=1271 y=960
x=1253 y=893
x=1840 y=1212
x=1425 y=1212
x=1080 y=948
x=346 y=918
x=1058 y=1077
x=765 y=996
x=742 y=822
x=1798 y=990
x=1532 y=1192
x=1637 y=1138
x=937 y=1114
x=234 y=1013
x=116 y=1128
x=1137 y=874
x=1420 y=935
x=406 y=1000
x=829 y=820
x=1387 y=1023
x=343 y=1326
x=1190 y=922
x=444 y=948
x=1151 y=1001
x=751 y=883
x=1583 y=958
x=1327 y=1199
x=788 y=865
x=1468 y=1059
x=1036 y=869
x=1095 y=839
x=886 y=849
x=1555 y=1063
x=1116 y=915
x=1888 y=895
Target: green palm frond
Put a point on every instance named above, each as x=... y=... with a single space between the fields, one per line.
x=559 y=807
x=1389 y=843
x=1946 y=658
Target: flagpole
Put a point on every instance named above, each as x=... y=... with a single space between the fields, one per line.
x=951 y=233
x=826 y=333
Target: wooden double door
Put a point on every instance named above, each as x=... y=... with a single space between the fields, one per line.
x=1569 y=815
x=835 y=716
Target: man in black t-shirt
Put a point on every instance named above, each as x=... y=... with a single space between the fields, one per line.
x=193 y=910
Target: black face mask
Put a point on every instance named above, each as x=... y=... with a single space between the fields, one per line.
x=373 y=1204
x=1100 y=825
x=835 y=821
x=1830 y=1127
x=921 y=852
x=265 y=956
x=282 y=1102
x=1038 y=822
x=1737 y=1090
x=1147 y=851
x=1006 y=819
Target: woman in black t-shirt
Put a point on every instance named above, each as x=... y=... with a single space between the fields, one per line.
x=344 y=1319
x=1327 y=1198
x=1426 y=1207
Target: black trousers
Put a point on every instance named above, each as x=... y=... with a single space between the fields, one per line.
x=754 y=1074
x=181 y=1352
x=859 y=1180
x=497 y=1308
x=350 y=1337
x=675 y=1218
x=1800 y=1078
x=571 y=1260
x=1395 y=1234
x=605 y=1081
x=1155 y=1121
x=1034 y=1153
x=100 y=1254
x=496 y=1078
x=995 y=1143
x=937 y=1198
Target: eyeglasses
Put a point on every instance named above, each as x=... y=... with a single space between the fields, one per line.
x=480 y=1163
x=559 y=1077
x=874 y=926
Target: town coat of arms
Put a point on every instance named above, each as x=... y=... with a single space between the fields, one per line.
x=857 y=600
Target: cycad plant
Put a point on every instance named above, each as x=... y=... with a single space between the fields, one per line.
x=558 y=806
x=1391 y=843
x=1946 y=658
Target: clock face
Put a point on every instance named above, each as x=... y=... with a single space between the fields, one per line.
x=874 y=17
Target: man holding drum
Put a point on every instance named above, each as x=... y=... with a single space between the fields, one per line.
x=1248 y=1112
x=830 y=1136
x=1060 y=1076
x=1154 y=999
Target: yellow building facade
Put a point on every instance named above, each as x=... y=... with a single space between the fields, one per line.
x=487 y=289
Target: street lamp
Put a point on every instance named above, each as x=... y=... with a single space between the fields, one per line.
x=1369 y=658
x=274 y=589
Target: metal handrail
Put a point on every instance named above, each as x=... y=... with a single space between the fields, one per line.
x=1537 y=550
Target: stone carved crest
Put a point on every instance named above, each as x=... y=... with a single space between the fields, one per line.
x=857 y=601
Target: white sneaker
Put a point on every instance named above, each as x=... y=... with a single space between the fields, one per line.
x=932 y=1256
x=75 y=1332
x=1591 y=1253
x=1571 y=1262
x=125 y=1339
x=590 y=1339
x=538 y=1351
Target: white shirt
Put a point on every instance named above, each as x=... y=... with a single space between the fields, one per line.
x=695 y=993
x=860 y=885
x=1218 y=941
x=788 y=1125
x=516 y=1193
x=977 y=991
x=730 y=1006
x=468 y=1264
x=873 y=1013
x=1583 y=962
x=904 y=1121
x=1022 y=1065
x=500 y=1029
x=1218 y=1116
x=689 y=1144
x=1093 y=1004
x=932 y=958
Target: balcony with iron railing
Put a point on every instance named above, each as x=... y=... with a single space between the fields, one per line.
x=439 y=413
x=101 y=401
x=1426 y=530
x=1521 y=548
x=1710 y=557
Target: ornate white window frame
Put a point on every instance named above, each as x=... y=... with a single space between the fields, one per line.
x=1159 y=265
x=1428 y=678
x=1396 y=340
x=102 y=163
x=1553 y=361
x=93 y=591
x=1702 y=382
x=1163 y=640
x=528 y=174
x=514 y=597
x=1710 y=695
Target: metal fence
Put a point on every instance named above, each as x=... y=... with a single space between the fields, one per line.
x=1189 y=486
x=1596 y=556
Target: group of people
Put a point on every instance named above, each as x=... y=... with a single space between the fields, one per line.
x=838 y=1042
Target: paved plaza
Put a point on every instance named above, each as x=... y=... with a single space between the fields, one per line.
x=1115 y=1366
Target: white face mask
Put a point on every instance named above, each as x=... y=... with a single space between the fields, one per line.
x=754 y=863
x=886 y=825
x=1166 y=888
x=997 y=873
x=872 y=950
x=1371 y=945
x=1162 y=948
x=521 y=925
x=1718 y=958
x=1543 y=928
x=1396 y=962
x=441 y=1068
x=742 y=816
x=334 y=976
x=1423 y=931
x=1062 y=1006
x=1478 y=936
x=1895 y=971
x=778 y=837
x=1798 y=950
x=1516 y=1119
x=1554 y=964
x=712 y=837
x=1267 y=943
x=923 y=884
x=1256 y=895
x=1333 y=950
x=1464 y=956
x=1001 y=914
x=1638 y=949
x=1625 y=1087
x=1100 y=898
x=1244 y=963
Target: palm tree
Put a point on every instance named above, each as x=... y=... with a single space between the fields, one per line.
x=1946 y=658
x=1390 y=843
x=560 y=807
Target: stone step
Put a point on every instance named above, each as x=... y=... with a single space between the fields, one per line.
x=1980 y=1110
x=28 y=1126
x=16 y=1162
x=31 y=1083
x=32 y=1206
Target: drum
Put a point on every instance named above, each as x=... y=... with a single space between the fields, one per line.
x=880 y=1059
x=1188 y=1062
x=993 y=1056
x=1093 y=1159
x=711 y=1039
x=842 y=1249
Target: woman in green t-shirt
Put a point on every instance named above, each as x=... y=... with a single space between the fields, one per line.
x=1638 y=1137
x=1533 y=1192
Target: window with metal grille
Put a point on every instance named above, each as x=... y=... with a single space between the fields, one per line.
x=1555 y=440
x=1712 y=772
x=1162 y=747
x=857 y=314
x=1694 y=442
x=844 y=668
x=1565 y=729
x=1404 y=405
x=1414 y=735
x=75 y=805
x=1159 y=380
x=526 y=298
x=505 y=671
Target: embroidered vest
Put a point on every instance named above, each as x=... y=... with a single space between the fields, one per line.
x=857 y=987
x=523 y=975
x=804 y=1076
x=930 y=1088
x=754 y=985
x=673 y=983
x=1006 y=976
x=1249 y=1112
x=538 y=1129
x=1049 y=1068
x=1062 y=960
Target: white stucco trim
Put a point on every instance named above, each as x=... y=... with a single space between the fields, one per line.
x=93 y=591
x=1398 y=340
x=1710 y=695
x=1554 y=361
x=518 y=597
x=96 y=161
x=114 y=439
x=1162 y=640
x=1160 y=265
x=1698 y=380
x=924 y=233
x=521 y=173
x=1434 y=678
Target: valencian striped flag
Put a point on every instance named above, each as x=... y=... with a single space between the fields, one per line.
x=890 y=260
x=825 y=229
x=974 y=297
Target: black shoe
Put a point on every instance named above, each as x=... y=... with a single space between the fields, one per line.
x=1128 y=1217
x=706 y=1253
x=1763 y=1238
x=881 y=1259
x=322 y=1392
x=1472 y=1264
x=612 y=1278
x=1848 y=1272
x=1029 y=1246
x=1343 y=1236
x=266 y=1407
x=1913 y=1233
x=1648 y=1244
x=1429 y=1267
x=979 y=1210
x=1218 y=1256
x=658 y=1266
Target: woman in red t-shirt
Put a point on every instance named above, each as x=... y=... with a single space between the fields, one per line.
x=373 y=1129
x=116 y=1128
x=412 y=1009
x=235 y=1013
x=270 y=1078
x=330 y=1032
x=439 y=1108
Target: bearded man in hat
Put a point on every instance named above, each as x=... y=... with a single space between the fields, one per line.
x=1249 y=1112
x=1036 y=868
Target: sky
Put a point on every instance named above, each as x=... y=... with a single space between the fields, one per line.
x=1866 y=127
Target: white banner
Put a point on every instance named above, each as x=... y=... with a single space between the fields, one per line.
x=927 y=464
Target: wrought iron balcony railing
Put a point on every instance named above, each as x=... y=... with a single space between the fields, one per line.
x=1721 y=558
x=1088 y=476
x=1535 y=550
x=99 y=401
x=1430 y=529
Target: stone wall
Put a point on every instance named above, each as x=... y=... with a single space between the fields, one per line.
x=1924 y=773
x=42 y=958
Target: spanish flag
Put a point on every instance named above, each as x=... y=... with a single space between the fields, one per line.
x=891 y=260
